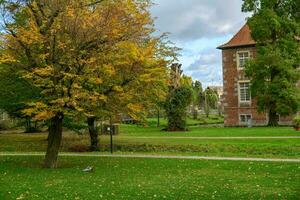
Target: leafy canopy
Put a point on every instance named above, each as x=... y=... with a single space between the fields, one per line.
x=90 y=57
x=274 y=72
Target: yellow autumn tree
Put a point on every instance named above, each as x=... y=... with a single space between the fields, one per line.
x=135 y=79
x=130 y=71
x=91 y=57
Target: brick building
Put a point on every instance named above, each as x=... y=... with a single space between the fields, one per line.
x=239 y=107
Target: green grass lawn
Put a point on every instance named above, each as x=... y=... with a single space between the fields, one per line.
x=139 y=139
x=137 y=178
x=202 y=120
x=194 y=131
x=21 y=177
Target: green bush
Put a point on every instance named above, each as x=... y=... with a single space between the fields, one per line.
x=176 y=108
x=296 y=121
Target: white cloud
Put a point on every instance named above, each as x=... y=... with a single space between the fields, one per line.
x=193 y=19
x=198 y=27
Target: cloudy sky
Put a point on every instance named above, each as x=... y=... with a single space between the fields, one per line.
x=198 y=27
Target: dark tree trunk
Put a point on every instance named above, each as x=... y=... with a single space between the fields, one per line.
x=93 y=134
x=27 y=126
x=273 y=117
x=54 y=141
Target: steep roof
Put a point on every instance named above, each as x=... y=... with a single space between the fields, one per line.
x=242 y=38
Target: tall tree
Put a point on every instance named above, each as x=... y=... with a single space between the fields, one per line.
x=210 y=100
x=197 y=90
x=79 y=53
x=130 y=73
x=39 y=39
x=138 y=81
x=178 y=99
x=275 y=26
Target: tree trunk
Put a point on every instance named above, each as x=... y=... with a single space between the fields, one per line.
x=27 y=126
x=273 y=117
x=93 y=134
x=54 y=141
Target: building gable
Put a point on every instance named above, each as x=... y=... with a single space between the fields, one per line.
x=241 y=39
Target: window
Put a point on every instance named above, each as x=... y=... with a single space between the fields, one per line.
x=245 y=118
x=242 y=58
x=244 y=92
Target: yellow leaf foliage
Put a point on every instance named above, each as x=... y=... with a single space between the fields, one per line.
x=94 y=60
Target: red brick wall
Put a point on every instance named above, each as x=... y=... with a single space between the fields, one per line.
x=232 y=75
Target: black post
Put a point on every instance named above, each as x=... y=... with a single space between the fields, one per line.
x=111 y=136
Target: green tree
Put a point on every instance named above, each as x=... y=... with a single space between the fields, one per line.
x=178 y=99
x=197 y=90
x=176 y=108
x=275 y=27
x=210 y=100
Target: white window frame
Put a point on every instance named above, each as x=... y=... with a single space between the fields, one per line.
x=246 y=117
x=238 y=59
x=239 y=92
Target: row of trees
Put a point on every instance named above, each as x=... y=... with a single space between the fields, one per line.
x=83 y=58
x=206 y=100
x=64 y=62
x=184 y=93
x=91 y=59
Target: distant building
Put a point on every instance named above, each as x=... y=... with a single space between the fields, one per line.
x=239 y=106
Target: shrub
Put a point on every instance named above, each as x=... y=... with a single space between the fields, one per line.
x=79 y=148
x=176 y=107
x=296 y=121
